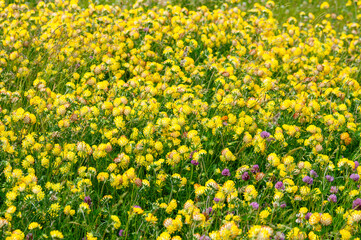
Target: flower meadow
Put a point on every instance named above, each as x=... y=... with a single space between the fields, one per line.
x=169 y=122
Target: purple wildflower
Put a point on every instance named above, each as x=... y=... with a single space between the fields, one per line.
x=330 y=178
x=254 y=205
x=216 y=199
x=245 y=176
x=308 y=215
x=333 y=189
x=356 y=164
x=146 y=29
x=121 y=233
x=191 y=155
x=355 y=177
x=205 y=237
x=313 y=173
x=255 y=169
x=356 y=204
x=283 y=205
x=279 y=185
x=307 y=180
x=265 y=134
x=226 y=172
x=194 y=162
x=88 y=200
x=332 y=198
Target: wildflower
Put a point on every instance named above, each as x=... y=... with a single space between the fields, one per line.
x=324 y=5
x=332 y=198
x=307 y=180
x=356 y=204
x=245 y=176
x=265 y=134
x=279 y=185
x=314 y=218
x=226 y=172
x=345 y=235
x=279 y=236
x=194 y=162
x=326 y=219
x=333 y=189
x=308 y=215
x=137 y=209
x=254 y=205
x=121 y=233
x=255 y=169
x=313 y=173
x=329 y=178
x=88 y=200
x=355 y=177
x=56 y=234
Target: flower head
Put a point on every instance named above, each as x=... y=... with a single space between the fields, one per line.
x=254 y=205
x=357 y=204
x=355 y=177
x=330 y=178
x=226 y=172
x=279 y=185
x=307 y=180
x=332 y=198
x=245 y=176
x=265 y=134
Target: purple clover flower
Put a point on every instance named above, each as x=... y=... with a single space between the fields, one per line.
x=216 y=199
x=265 y=134
x=333 y=189
x=254 y=205
x=88 y=200
x=356 y=204
x=205 y=237
x=355 y=177
x=245 y=176
x=279 y=185
x=226 y=172
x=255 y=169
x=313 y=173
x=330 y=178
x=307 y=180
x=194 y=162
x=332 y=198
x=283 y=205
x=121 y=233
x=308 y=215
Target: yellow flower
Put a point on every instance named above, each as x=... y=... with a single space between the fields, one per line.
x=326 y=219
x=34 y=225
x=345 y=235
x=325 y=5
x=314 y=218
x=56 y=234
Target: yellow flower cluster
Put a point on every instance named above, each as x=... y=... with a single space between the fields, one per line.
x=169 y=122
